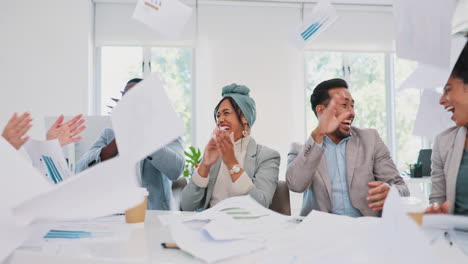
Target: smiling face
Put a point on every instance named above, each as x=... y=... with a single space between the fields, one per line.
x=346 y=104
x=228 y=119
x=455 y=100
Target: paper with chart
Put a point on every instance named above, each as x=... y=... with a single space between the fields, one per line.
x=144 y=120
x=424 y=31
x=107 y=188
x=167 y=17
x=242 y=217
x=48 y=158
x=323 y=15
x=20 y=181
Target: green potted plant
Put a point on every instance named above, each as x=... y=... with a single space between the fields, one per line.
x=192 y=160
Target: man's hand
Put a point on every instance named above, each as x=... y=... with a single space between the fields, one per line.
x=329 y=122
x=66 y=132
x=16 y=129
x=435 y=208
x=377 y=195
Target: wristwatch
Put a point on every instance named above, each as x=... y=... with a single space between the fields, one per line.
x=235 y=169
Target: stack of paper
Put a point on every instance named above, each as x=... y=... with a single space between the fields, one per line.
x=237 y=226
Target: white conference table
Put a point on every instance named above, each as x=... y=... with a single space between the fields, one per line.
x=143 y=246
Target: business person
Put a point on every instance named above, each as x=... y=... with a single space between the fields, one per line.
x=342 y=169
x=233 y=163
x=156 y=171
x=449 y=174
x=18 y=125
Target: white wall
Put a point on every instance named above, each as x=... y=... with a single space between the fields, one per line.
x=236 y=45
x=45 y=57
x=250 y=45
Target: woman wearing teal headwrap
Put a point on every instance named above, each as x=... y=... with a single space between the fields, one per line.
x=233 y=163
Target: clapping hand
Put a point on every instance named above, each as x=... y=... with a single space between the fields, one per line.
x=16 y=129
x=66 y=132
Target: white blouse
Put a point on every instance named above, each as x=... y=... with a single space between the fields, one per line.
x=224 y=187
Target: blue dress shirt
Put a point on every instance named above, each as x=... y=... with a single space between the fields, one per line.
x=336 y=164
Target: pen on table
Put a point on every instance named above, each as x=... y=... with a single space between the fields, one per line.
x=170 y=245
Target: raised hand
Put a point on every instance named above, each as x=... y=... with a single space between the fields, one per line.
x=66 y=132
x=329 y=122
x=16 y=129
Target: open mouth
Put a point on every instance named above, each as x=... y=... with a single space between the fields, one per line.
x=225 y=128
x=451 y=109
x=346 y=124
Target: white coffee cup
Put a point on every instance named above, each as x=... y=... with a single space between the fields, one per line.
x=415 y=208
x=137 y=214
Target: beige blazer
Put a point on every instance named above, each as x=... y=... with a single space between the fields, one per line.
x=446 y=157
x=367 y=159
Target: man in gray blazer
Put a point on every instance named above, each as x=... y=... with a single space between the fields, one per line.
x=341 y=169
x=156 y=171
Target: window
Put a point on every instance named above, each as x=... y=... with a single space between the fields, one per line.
x=173 y=64
x=406 y=106
x=368 y=77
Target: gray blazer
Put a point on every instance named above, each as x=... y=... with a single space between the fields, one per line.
x=367 y=159
x=446 y=157
x=158 y=169
x=262 y=166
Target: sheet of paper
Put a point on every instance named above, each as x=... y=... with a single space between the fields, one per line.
x=445 y=221
x=144 y=121
x=104 y=189
x=243 y=217
x=199 y=244
x=12 y=236
x=401 y=234
x=328 y=238
x=431 y=118
x=432 y=77
x=20 y=180
x=424 y=30
x=48 y=158
x=167 y=17
x=322 y=16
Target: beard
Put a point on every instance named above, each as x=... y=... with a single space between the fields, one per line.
x=339 y=134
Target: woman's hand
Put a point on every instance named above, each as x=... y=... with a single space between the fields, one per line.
x=66 y=132
x=210 y=156
x=225 y=145
x=438 y=209
x=16 y=129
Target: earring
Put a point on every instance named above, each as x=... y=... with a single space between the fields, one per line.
x=244 y=131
